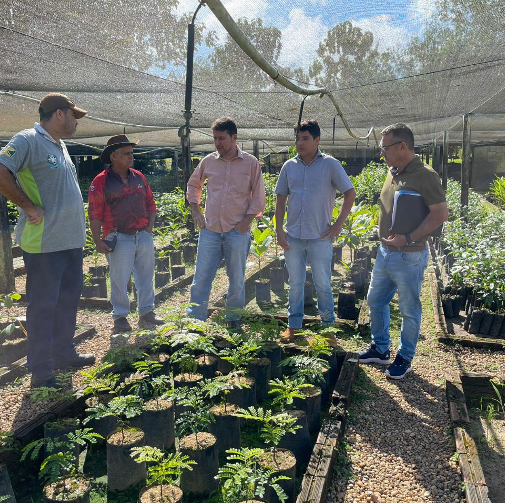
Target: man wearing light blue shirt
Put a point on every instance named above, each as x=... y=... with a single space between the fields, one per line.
x=308 y=184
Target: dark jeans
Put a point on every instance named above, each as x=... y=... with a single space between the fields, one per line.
x=53 y=289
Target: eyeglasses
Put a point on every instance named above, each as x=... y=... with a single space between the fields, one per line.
x=384 y=148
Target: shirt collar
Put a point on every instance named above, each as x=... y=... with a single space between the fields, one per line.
x=44 y=133
x=240 y=153
x=319 y=154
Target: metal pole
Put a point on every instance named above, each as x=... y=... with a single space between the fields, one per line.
x=445 y=159
x=7 y=284
x=256 y=149
x=465 y=164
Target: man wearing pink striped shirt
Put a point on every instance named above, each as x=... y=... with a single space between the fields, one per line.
x=235 y=195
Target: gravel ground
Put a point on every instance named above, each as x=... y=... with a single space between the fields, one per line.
x=398 y=445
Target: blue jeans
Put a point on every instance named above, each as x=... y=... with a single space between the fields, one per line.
x=392 y=272
x=133 y=253
x=318 y=252
x=53 y=289
x=212 y=248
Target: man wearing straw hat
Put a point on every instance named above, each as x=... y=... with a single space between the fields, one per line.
x=121 y=213
x=37 y=173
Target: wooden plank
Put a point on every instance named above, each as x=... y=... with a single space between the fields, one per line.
x=19 y=367
x=473 y=342
x=343 y=387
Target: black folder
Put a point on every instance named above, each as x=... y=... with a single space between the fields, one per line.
x=409 y=210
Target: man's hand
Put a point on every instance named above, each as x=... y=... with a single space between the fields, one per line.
x=395 y=240
x=282 y=239
x=102 y=247
x=35 y=214
x=199 y=219
x=333 y=232
x=243 y=227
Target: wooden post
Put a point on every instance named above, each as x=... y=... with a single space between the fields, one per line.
x=445 y=159
x=256 y=149
x=465 y=164
x=7 y=284
x=427 y=152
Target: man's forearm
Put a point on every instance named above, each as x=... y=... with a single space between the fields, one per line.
x=280 y=211
x=151 y=215
x=349 y=197
x=10 y=189
x=96 y=229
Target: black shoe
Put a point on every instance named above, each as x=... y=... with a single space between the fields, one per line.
x=44 y=382
x=121 y=325
x=371 y=355
x=399 y=368
x=150 y=319
x=77 y=360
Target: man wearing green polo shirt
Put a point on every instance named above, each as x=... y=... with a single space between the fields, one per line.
x=37 y=173
x=402 y=258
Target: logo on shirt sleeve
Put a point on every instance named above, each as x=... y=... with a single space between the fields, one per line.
x=8 y=151
x=52 y=161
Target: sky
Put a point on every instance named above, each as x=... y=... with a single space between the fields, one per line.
x=304 y=24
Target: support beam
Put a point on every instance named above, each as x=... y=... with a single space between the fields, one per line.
x=445 y=159
x=256 y=149
x=7 y=284
x=466 y=162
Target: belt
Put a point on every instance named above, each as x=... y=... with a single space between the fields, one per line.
x=131 y=232
x=407 y=249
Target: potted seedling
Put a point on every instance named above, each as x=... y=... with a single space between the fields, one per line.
x=90 y=287
x=261 y=239
x=58 y=471
x=197 y=443
x=273 y=427
x=7 y=449
x=226 y=425
x=123 y=358
x=122 y=471
x=12 y=333
x=243 y=478
x=277 y=270
x=163 y=474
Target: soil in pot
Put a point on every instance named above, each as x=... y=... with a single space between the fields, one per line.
x=90 y=291
x=226 y=428
x=243 y=397
x=203 y=450
x=178 y=271
x=122 y=470
x=161 y=278
x=162 y=264
x=207 y=365
x=311 y=405
x=175 y=257
x=299 y=442
x=72 y=489
x=158 y=423
x=161 y=494
x=189 y=252
x=283 y=462
x=15 y=349
x=260 y=370
x=5 y=485
x=277 y=279
x=262 y=291
x=273 y=352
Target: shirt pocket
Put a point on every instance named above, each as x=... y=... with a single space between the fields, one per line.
x=241 y=184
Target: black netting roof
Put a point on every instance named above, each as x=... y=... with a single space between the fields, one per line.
x=421 y=62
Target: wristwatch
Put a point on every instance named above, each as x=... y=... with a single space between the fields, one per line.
x=408 y=239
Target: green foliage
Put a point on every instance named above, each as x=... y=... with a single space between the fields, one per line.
x=196 y=417
x=192 y=344
x=273 y=426
x=123 y=357
x=285 y=391
x=357 y=226
x=163 y=468
x=270 y=180
x=221 y=386
x=497 y=191
x=122 y=408
x=62 y=457
x=243 y=349
x=260 y=242
x=368 y=184
x=95 y=381
x=243 y=478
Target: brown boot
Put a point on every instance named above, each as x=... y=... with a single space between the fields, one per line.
x=289 y=335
